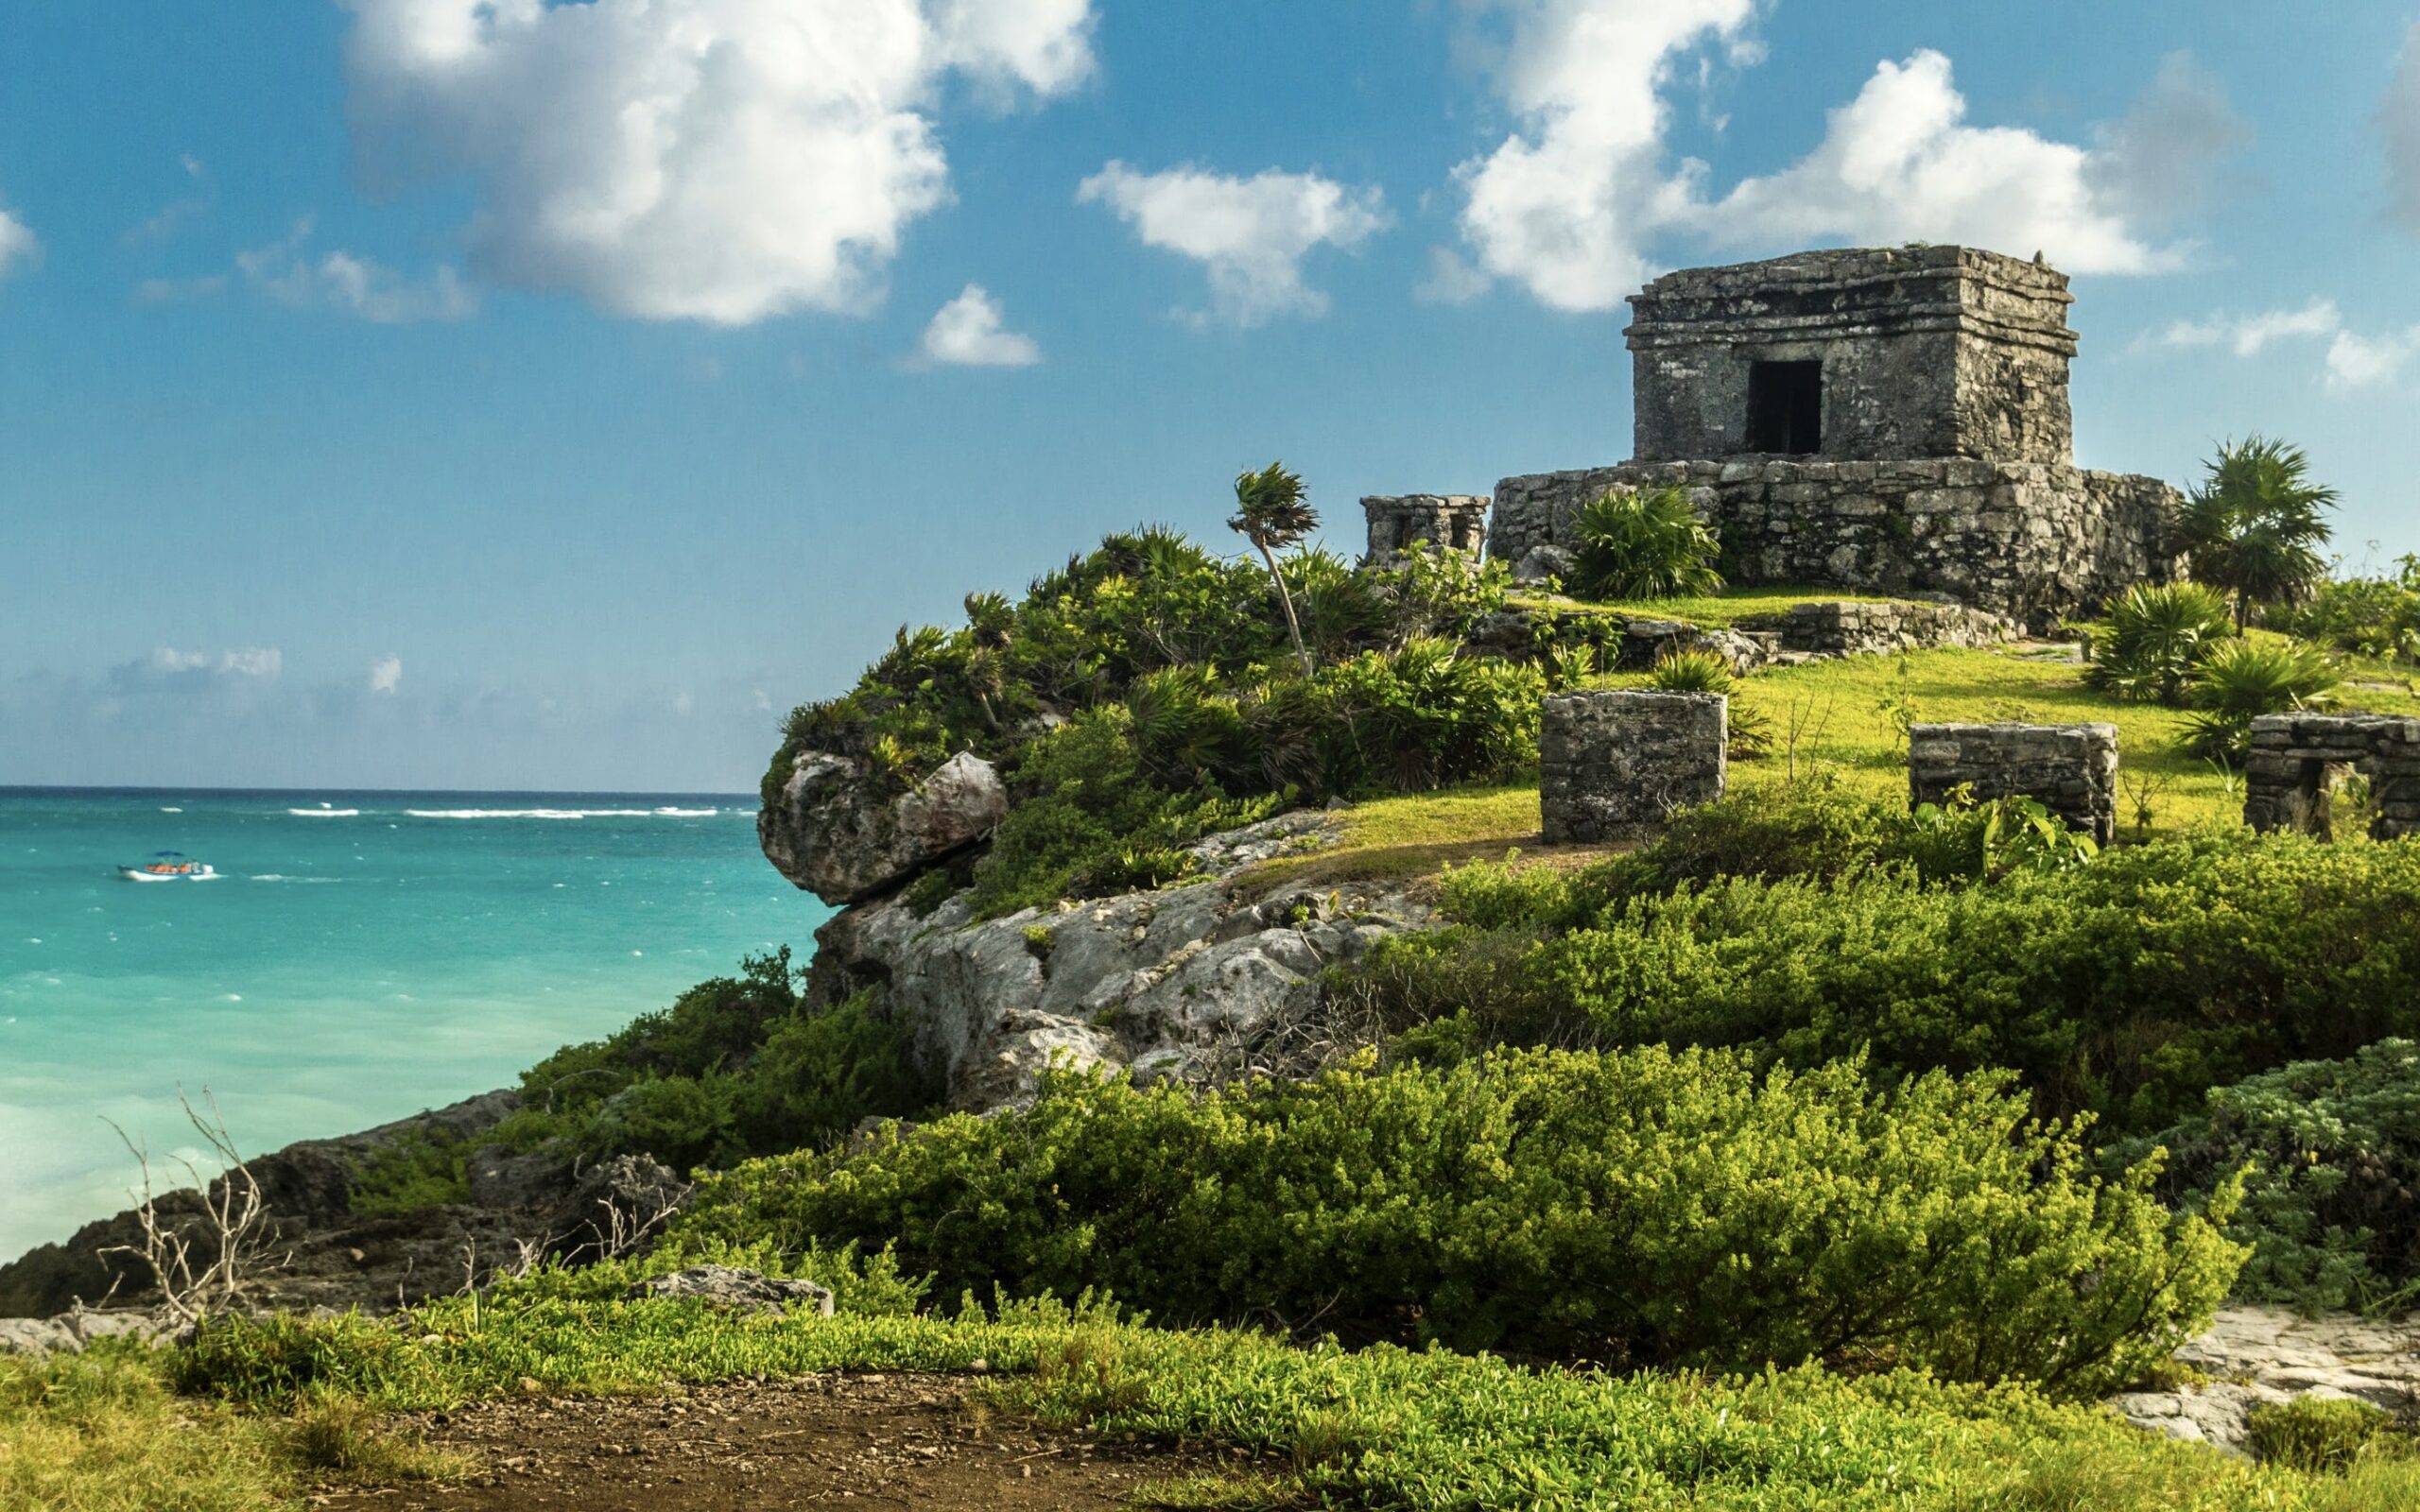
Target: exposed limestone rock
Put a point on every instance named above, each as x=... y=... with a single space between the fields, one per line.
x=1181 y=982
x=1543 y=561
x=741 y=1290
x=831 y=834
x=70 y=1331
x=2265 y=1354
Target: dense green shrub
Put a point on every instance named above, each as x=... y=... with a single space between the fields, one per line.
x=421 y=1168
x=2331 y=1207
x=2235 y=683
x=737 y=1066
x=1145 y=601
x=1643 y=543
x=2153 y=637
x=1545 y=1202
x=2125 y=987
x=2313 y=1434
x=2371 y=616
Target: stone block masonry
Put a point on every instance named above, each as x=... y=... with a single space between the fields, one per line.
x=2069 y=769
x=1616 y=765
x=2299 y=760
x=2032 y=541
x=1457 y=522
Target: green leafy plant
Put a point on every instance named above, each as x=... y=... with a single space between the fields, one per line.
x=2375 y=617
x=2255 y=523
x=2332 y=1149
x=2237 y=681
x=1542 y=1201
x=1693 y=672
x=2317 y=1435
x=1272 y=513
x=1644 y=543
x=2153 y=640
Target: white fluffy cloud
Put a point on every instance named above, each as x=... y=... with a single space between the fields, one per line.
x=1575 y=205
x=386 y=673
x=967 y=333
x=2399 y=122
x=167 y=665
x=1899 y=163
x=2246 y=335
x=721 y=161
x=19 y=248
x=339 y=279
x=1567 y=205
x=1252 y=234
x=2356 y=361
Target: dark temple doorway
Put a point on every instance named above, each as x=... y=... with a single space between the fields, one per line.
x=1785 y=407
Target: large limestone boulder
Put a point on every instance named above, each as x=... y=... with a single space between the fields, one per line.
x=831 y=834
x=2256 y=1356
x=1196 y=982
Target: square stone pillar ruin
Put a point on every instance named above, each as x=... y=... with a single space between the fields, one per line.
x=1454 y=522
x=2299 y=763
x=2069 y=769
x=1617 y=764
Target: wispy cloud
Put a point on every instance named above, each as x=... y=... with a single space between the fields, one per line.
x=345 y=282
x=172 y=216
x=1251 y=235
x=19 y=248
x=2247 y=335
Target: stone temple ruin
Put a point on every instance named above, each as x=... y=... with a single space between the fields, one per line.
x=1886 y=421
x=2301 y=763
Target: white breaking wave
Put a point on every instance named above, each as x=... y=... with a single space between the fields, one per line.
x=323 y=812
x=560 y=813
x=172 y=811
x=279 y=876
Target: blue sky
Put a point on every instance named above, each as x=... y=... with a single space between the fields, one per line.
x=431 y=393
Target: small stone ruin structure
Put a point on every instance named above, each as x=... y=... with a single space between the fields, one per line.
x=2069 y=769
x=1455 y=522
x=2299 y=763
x=1888 y=419
x=1612 y=765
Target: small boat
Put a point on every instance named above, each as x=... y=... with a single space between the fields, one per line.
x=169 y=866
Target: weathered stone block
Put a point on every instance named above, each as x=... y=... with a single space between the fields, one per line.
x=1455 y=522
x=1616 y=765
x=2069 y=769
x=2300 y=760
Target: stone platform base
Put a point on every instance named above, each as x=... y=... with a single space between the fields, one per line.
x=2036 y=541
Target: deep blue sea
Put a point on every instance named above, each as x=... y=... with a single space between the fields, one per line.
x=361 y=956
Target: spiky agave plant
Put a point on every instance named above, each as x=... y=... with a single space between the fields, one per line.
x=1270 y=513
x=2238 y=680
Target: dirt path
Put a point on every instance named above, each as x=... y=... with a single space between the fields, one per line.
x=862 y=1442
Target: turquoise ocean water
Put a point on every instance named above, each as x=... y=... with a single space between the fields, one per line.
x=361 y=957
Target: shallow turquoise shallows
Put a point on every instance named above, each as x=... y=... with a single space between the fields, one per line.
x=360 y=957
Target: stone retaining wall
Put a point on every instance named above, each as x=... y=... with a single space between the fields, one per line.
x=1613 y=765
x=1835 y=629
x=2296 y=758
x=2069 y=769
x=2029 y=540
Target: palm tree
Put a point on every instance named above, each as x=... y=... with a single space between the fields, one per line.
x=2255 y=525
x=1269 y=513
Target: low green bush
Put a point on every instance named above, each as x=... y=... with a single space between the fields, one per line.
x=2317 y=1435
x=1543 y=1202
x=422 y=1168
x=738 y=1066
x=2369 y=616
x=2124 y=989
x=2235 y=683
x=1643 y=543
x=2153 y=637
x=2331 y=1205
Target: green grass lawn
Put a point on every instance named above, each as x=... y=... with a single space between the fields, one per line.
x=1728 y=607
x=1846 y=736
x=1381 y=1427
